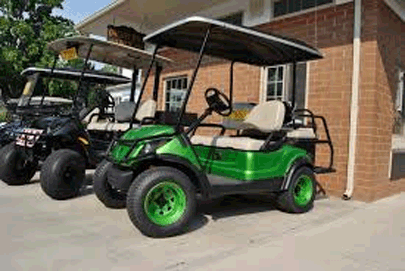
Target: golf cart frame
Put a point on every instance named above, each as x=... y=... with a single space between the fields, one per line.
x=153 y=163
x=167 y=37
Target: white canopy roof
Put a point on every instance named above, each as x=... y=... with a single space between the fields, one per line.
x=108 y=52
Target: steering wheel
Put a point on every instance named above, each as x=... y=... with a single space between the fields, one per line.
x=104 y=100
x=110 y=102
x=218 y=102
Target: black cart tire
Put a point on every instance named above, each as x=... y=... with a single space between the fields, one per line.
x=300 y=196
x=14 y=167
x=161 y=202
x=103 y=190
x=63 y=174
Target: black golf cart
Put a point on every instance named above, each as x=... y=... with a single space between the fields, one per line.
x=50 y=126
x=161 y=172
x=33 y=103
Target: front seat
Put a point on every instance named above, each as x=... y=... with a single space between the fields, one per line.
x=266 y=118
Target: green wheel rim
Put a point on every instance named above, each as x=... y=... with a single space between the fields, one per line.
x=165 y=203
x=303 y=191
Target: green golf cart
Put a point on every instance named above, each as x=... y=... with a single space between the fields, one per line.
x=161 y=168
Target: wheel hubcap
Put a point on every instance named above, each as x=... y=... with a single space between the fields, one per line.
x=303 y=191
x=165 y=203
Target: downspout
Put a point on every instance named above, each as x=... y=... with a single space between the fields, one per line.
x=354 y=107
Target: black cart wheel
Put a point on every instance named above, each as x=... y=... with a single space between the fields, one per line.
x=63 y=174
x=161 y=202
x=300 y=196
x=15 y=169
x=110 y=197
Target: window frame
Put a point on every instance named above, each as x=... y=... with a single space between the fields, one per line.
x=166 y=103
x=284 y=81
x=299 y=12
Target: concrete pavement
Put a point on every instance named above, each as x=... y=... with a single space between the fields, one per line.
x=237 y=233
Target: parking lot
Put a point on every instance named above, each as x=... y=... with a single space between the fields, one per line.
x=38 y=233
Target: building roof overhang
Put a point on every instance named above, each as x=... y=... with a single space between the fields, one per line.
x=143 y=15
x=147 y=16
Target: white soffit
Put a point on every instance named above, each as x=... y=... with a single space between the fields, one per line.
x=143 y=15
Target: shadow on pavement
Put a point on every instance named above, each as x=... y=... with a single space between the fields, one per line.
x=87 y=188
x=235 y=205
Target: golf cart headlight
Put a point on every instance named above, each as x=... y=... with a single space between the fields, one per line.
x=152 y=146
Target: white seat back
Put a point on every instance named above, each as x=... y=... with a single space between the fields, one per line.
x=88 y=116
x=146 y=110
x=266 y=117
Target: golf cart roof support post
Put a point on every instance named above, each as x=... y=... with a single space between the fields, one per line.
x=158 y=70
x=190 y=86
x=231 y=83
x=145 y=80
x=133 y=84
x=55 y=59
x=82 y=75
x=294 y=84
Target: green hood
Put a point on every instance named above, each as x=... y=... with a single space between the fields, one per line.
x=119 y=151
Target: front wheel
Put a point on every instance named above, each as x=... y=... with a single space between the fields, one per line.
x=161 y=202
x=109 y=196
x=63 y=174
x=300 y=196
x=15 y=169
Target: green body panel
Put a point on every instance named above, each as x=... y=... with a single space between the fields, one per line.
x=119 y=151
x=226 y=162
x=178 y=148
x=249 y=165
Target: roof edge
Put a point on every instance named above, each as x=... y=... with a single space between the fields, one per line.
x=83 y=23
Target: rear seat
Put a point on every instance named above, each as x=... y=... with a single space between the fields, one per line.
x=302 y=133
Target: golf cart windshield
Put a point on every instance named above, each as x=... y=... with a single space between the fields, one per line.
x=39 y=80
x=37 y=97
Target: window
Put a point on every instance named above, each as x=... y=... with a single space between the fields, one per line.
x=176 y=89
x=275 y=83
x=399 y=124
x=279 y=83
x=283 y=7
x=235 y=18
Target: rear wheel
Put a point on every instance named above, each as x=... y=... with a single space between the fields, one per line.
x=161 y=202
x=300 y=196
x=109 y=196
x=15 y=169
x=63 y=174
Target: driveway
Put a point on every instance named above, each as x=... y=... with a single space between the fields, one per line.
x=235 y=233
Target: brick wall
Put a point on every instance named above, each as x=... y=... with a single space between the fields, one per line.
x=331 y=31
x=383 y=39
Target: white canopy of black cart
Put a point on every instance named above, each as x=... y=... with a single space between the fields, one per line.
x=108 y=52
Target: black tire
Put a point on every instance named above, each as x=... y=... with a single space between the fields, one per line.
x=286 y=200
x=139 y=190
x=103 y=190
x=63 y=174
x=14 y=167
